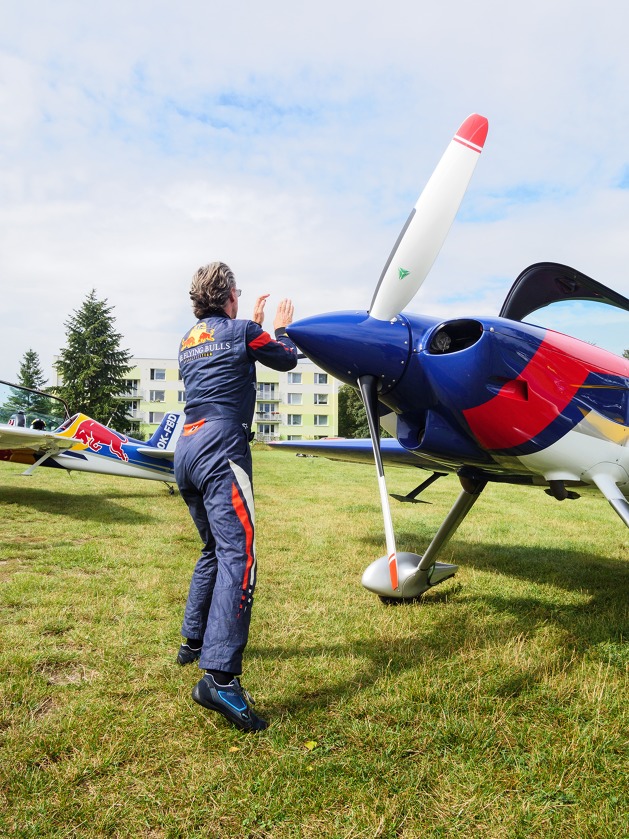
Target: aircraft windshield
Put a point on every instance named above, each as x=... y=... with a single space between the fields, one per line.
x=26 y=408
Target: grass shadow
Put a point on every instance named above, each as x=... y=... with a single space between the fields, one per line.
x=565 y=568
x=480 y=620
x=84 y=507
x=603 y=578
x=584 y=627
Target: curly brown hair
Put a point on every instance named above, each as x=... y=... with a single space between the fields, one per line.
x=210 y=289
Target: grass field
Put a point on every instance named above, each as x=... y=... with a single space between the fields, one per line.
x=497 y=707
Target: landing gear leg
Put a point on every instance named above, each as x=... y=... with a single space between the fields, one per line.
x=419 y=573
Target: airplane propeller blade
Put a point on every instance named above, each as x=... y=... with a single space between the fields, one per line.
x=429 y=222
x=369 y=393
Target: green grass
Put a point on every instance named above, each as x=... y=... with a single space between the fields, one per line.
x=497 y=707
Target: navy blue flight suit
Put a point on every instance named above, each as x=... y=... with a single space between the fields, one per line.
x=214 y=475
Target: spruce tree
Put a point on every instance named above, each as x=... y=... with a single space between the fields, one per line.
x=31 y=373
x=31 y=376
x=92 y=366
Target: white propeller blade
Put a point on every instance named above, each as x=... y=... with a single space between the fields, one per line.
x=427 y=227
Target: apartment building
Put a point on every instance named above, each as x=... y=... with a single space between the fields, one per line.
x=299 y=405
x=155 y=389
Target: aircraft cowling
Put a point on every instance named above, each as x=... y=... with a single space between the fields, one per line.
x=351 y=344
x=461 y=364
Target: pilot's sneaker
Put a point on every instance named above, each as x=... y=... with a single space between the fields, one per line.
x=187 y=654
x=231 y=700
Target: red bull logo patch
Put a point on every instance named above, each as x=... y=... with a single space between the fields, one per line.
x=199 y=334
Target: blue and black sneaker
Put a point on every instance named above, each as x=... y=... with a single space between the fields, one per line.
x=188 y=654
x=231 y=700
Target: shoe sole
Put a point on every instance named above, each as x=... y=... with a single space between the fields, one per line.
x=220 y=709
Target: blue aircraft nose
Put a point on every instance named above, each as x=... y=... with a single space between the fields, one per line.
x=352 y=344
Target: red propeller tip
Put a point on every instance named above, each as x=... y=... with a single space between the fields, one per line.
x=473 y=132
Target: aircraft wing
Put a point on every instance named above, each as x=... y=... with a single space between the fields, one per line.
x=360 y=451
x=153 y=451
x=40 y=442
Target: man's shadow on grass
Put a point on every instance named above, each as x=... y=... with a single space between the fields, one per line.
x=83 y=507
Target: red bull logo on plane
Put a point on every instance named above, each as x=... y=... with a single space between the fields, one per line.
x=96 y=436
x=199 y=334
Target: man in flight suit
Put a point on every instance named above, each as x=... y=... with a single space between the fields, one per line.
x=214 y=474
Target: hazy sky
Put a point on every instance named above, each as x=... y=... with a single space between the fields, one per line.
x=141 y=140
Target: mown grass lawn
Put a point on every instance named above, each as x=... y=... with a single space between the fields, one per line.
x=497 y=707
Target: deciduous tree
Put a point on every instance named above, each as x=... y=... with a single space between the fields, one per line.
x=352 y=415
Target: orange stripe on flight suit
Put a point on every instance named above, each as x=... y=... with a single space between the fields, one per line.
x=243 y=515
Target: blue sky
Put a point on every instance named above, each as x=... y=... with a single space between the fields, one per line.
x=139 y=141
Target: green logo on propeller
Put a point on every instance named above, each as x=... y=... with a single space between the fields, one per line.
x=402 y=272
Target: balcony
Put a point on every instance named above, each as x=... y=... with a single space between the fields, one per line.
x=268 y=395
x=267 y=438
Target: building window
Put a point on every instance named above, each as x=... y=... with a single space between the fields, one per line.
x=294 y=378
x=180 y=375
x=156 y=395
x=293 y=398
x=181 y=396
x=293 y=419
x=321 y=419
x=293 y=437
x=158 y=374
x=133 y=387
x=266 y=390
x=156 y=416
x=321 y=378
x=321 y=398
x=133 y=408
